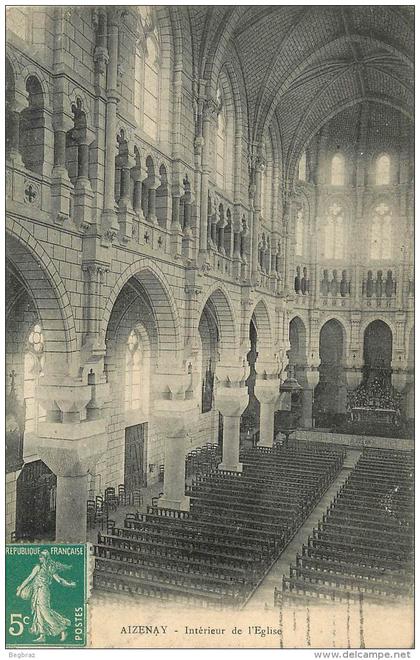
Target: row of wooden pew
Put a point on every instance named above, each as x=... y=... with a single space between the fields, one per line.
x=238 y=524
x=364 y=542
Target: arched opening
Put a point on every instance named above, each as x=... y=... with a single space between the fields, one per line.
x=338 y=170
x=377 y=352
x=297 y=359
x=209 y=339
x=132 y=345
x=383 y=170
x=381 y=233
x=250 y=419
x=330 y=393
x=36 y=502
x=32 y=127
x=30 y=509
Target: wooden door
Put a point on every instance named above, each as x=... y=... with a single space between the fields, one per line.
x=35 y=502
x=135 y=475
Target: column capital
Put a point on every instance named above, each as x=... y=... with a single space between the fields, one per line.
x=267 y=391
x=231 y=402
x=174 y=418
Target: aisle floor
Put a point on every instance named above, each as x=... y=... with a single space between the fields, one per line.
x=263 y=595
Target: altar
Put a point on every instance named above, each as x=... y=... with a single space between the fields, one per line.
x=379 y=415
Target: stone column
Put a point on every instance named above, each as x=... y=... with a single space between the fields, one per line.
x=70 y=447
x=152 y=183
x=125 y=207
x=231 y=403
x=205 y=165
x=137 y=188
x=267 y=393
x=256 y=193
x=309 y=381
x=71 y=518
x=174 y=481
x=173 y=419
x=353 y=377
x=109 y=216
x=83 y=193
x=237 y=254
x=176 y=228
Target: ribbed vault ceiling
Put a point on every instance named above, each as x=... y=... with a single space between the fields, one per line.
x=302 y=65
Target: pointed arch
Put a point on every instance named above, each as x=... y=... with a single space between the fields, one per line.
x=261 y=318
x=45 y=286
x=161 y=300
x=222 y=308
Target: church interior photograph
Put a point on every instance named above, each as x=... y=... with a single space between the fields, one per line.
x=209 y=310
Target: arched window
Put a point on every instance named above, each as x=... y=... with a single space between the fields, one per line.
x=133 y=364
x=334 y=233
x=147 y=76
x=381 y=233
x=33 y=369
x=299 y=233
x=337 y=170
x=302 y=167
x=383 y=170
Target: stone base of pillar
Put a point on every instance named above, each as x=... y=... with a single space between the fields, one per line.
x=266 y=443
x=230 y=468
x=71 y=513
x=183 y=504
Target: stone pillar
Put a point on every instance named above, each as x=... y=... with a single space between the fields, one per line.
x=309 y=381
x=176 y=228
x=137 y=192
x=267 y=393
x=125 y=207
x=353 y=377
x=256 y=220
x=71 y=518
x=174 y=481
x=151 y=216
x=214 y=230
x=173 y=419
x=231 y=403
x=109 y=216
x=83 y=193
x=208 y=110
x=70 y=447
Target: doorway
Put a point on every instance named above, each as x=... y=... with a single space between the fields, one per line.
x=36 y=502
x=135 y=474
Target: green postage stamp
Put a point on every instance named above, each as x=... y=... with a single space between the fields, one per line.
x=46 y=589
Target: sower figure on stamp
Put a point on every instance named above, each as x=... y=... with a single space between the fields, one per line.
x=37 y=588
